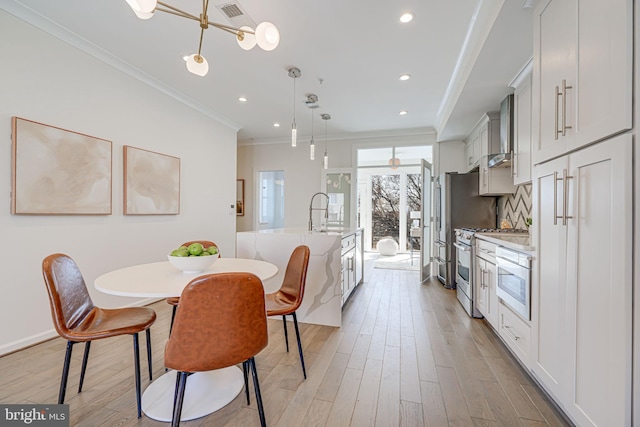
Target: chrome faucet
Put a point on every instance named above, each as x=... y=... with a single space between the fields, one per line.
x=311 y=209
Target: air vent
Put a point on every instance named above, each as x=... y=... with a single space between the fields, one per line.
x=231 y=10
x=236 y=15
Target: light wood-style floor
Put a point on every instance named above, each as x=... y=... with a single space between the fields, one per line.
x=406 y=355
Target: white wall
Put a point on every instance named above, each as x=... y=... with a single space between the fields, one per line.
x=46 y=80
x=303 y=176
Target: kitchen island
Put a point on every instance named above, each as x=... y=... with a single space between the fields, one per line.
x=335 y=266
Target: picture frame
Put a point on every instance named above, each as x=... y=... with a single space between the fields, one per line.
x=57 y=171
x=240 y=197
x=151 y=182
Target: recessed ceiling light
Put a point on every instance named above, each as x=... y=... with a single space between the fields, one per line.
x=276 y=125
x=242 y=99
x=406 y=17
x=403 y=112
x=404 y=77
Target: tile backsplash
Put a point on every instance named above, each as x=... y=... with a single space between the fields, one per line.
x=516 y=208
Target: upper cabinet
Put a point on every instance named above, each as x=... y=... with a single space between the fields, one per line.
x=486 y=137
x=472 y=151
x=582 y=74
x=521 y=160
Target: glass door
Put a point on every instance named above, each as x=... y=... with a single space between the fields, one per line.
x=270 y=200
x=385 y=208
x=425 y=235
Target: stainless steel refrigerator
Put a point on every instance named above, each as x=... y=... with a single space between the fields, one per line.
x=457 y=205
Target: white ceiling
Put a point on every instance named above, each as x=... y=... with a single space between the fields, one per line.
x=461 y=54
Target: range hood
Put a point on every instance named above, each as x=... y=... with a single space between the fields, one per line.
x=503 y=158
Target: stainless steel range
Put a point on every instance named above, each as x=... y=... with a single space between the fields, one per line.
x=465 y=257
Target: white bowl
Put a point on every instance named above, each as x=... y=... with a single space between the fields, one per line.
x=192 y=264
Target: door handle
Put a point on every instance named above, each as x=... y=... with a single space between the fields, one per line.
x=556 y=131
x=564 y=107
x=563 y=129
x=462 y=248
x=565 y=196
x=555 y=197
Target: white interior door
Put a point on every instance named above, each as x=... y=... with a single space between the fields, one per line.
x=425 y=237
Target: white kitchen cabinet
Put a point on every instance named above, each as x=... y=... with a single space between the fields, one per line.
x=352 y=263
x=515 y=332
x=472 y=151
x=521 y=158
x=359 y=267
x=582 y=73
x=486 y=297
x=493 y=181
x=582 y=282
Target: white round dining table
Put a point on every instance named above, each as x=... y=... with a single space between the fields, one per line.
x=206 y=392
x=163 y=280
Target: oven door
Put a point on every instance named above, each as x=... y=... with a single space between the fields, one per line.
x=514 y=287
x=463 y=263
x=464 y=291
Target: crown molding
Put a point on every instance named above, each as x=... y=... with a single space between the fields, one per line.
x=351 y=136
x=43 y=23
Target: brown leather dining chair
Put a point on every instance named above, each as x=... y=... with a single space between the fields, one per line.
x=222 y=321
x=175 y=301
x=288 y=298
x=77 y=319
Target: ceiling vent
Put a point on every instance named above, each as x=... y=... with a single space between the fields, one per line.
x=236 y=15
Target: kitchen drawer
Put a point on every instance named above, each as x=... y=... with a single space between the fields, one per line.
x=486 y=250
x=348 y=242
x=515 y=332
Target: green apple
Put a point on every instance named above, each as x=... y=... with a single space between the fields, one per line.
x=212 y=250
x=180 y=252
x=205 y=253
x=196 y=249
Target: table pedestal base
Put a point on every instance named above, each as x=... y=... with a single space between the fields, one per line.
x=206 y=392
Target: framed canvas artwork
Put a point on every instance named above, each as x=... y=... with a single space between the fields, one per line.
x=151 y=182
x=58 y=172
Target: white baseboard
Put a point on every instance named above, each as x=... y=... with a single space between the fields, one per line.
x=51 y=333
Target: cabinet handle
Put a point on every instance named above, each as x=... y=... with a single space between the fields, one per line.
x=556 y=131
x=565 y=196
x=555 y=197
x=564 y=107
x=514 y=169
x=508 y=329
x=470 y=160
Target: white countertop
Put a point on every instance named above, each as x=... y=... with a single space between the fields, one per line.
x=514 y=241
x=302 y=230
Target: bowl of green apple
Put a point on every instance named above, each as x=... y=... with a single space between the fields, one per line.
x=194 y=258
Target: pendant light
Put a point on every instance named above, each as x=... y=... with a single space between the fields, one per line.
x=312 y=144
x=325 y=158
x=312 y=103
x=294 y=73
